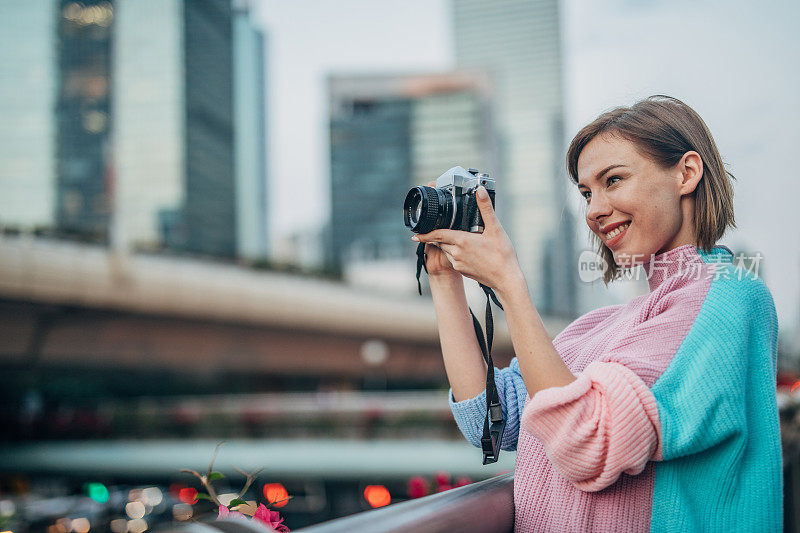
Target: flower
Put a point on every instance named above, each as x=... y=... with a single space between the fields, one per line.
x=240 y=509
x=225 y=513
x=271 y=518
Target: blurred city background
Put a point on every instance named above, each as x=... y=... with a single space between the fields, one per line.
x=201 y=235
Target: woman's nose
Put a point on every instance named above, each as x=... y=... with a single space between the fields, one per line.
x=598 y=208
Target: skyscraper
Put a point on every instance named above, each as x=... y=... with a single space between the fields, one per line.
x=28 y=88
x=173 y=136
x=135 y=123
x=249 y=114
x=518 y=43
x=83 y=153
x=388 y=134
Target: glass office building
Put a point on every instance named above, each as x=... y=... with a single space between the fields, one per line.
x=174 y=133
x=134 y=123
x=249 y=109
x=518 y=43
x=388 y=134
x=28 y=90
x=83 y=119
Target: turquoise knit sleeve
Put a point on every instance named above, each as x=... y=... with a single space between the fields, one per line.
x=722 y=464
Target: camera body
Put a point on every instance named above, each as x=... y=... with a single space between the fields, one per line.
x=450 y=205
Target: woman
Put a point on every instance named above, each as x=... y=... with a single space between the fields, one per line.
x=655 y=415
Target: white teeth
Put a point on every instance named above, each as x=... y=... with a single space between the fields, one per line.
x=616 y=231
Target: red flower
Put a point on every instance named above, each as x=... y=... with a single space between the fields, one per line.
x=271 y=518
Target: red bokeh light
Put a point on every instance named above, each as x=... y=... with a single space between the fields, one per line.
x=377 y=495
x=188 y=495
x=276 y=494
x=442 y=481
x=441 y=478
x=463 y=480
x=175 y=489
x=417 y=487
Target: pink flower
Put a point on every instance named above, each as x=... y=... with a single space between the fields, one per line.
x=271 y=518
x=225 y=513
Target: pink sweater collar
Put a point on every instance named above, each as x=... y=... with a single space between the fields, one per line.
x=664 y=265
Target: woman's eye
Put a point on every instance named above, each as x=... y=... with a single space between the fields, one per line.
x=609 y=182
x=586 y=194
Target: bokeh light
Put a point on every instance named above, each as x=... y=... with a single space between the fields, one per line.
x=417 y=487
x=182 y=512
x=276 y=494
x=175 y=489
x=152 y=496
x=137 y=526
x=188 y=495
x=135 y=510
x=97 y=491
x=81 y=525
x=7 y=508
x=377 y=495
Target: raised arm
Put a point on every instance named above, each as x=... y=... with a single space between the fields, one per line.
x=463 y=362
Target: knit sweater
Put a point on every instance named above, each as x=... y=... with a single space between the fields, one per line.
x=672 y=422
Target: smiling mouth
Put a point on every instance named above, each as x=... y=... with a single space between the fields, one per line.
x=613 y=236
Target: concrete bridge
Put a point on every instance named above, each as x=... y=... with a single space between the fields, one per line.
x=65 y=304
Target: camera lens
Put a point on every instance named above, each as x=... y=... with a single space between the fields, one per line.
x=427 y=209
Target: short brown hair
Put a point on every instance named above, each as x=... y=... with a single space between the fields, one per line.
x=664 y=128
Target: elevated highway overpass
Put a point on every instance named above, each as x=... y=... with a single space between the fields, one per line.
x=71 y=304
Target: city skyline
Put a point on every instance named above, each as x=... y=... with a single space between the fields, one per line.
x=725 y=76
x=139 y=136
x=739 y=85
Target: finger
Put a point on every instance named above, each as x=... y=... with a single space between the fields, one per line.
x=447 y=236
x=486 y=207
x=450 y=258
x=449 y=249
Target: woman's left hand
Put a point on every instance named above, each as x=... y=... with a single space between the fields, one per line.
x=488 y=258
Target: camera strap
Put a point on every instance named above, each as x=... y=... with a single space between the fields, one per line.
x=493 y=423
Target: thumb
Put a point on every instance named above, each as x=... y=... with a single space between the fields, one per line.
x=486 y=207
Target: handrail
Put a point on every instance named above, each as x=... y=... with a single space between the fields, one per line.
x=483 y=507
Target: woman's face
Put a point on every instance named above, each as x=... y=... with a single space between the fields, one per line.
x=634 y=205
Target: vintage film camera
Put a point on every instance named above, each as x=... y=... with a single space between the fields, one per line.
x=450 y=205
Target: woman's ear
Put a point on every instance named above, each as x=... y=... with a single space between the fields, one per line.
x=691 y=167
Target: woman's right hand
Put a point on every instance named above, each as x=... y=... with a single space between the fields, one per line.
x=437 y=262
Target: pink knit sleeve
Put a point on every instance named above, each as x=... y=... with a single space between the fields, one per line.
x=602 y=424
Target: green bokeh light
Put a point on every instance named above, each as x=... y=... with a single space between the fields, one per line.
x=97 y=491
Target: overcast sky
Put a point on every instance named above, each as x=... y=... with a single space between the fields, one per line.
x=735 y=62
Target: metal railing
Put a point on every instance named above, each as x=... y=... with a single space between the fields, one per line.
x=483 y=507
